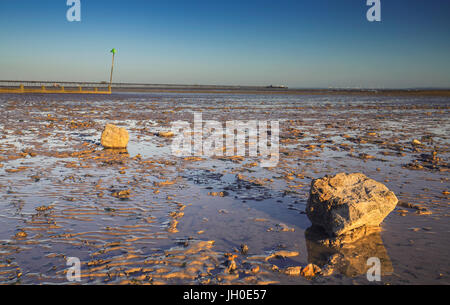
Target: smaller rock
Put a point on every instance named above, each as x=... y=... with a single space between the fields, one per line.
x=282 y=254
x=244 y=249
x=293 y=271
x=284 y=228
x=114 y=137
x=167 y=134
x=231 y=264
x=43 y=208
x=255 y=269
x=124 y=194
x=310 y=270
x=21 y=234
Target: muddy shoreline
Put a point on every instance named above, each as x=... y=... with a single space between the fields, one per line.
x=143 y=216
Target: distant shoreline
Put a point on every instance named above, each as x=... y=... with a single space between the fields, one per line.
x=224 y=89
x=270 y=91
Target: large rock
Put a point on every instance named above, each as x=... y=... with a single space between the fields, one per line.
x=345 y=202
x=114 y=137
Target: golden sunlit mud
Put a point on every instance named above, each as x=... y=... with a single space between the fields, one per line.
x=143 y=216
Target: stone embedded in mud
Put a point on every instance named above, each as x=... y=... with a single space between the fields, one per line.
x=345 y=202
x=293 y=271
x=416 y=142
x=114 y=137
x=244 y=249
x=310 y=270
x=167 y=134
x=21 y=234
x=282 y=254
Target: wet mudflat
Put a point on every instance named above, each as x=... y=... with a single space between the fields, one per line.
x=143 y=216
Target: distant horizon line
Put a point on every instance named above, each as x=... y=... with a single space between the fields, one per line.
x=268 y=86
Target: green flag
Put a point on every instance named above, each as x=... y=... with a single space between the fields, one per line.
x=114 y=51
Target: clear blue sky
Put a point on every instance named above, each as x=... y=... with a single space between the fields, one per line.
x=316 y=43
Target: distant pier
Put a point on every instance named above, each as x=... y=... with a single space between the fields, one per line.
x=13 y=86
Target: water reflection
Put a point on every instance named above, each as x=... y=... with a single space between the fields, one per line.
x=347 y=255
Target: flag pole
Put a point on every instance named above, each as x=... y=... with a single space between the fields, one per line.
x=113 y=51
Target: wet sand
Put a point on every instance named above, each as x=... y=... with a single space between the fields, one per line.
x=142 y=216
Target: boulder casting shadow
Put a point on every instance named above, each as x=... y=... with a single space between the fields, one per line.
x=347 y=254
